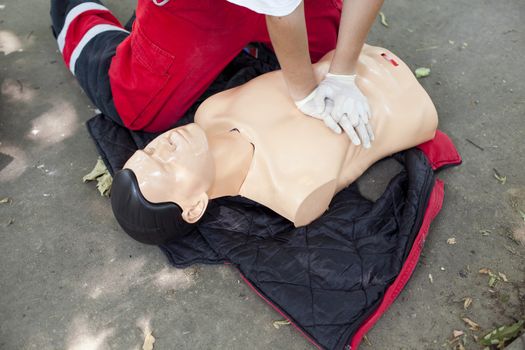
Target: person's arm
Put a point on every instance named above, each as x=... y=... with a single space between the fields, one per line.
x=290 y=42
x=356 y=20
x=349 y=108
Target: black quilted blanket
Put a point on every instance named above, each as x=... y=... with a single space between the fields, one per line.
x=329 y=277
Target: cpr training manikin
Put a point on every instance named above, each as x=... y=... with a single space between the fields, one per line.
x=252 y=141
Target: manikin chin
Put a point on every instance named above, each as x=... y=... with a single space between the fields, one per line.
x=252 y=141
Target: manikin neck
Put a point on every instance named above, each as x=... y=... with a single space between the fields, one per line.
x=233 y=156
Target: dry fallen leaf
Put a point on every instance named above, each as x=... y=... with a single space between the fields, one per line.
x=502 y=179
x=149 y=340
x=451 y=240
x=279 y=323
x=503 y=277
x=104 y=184
x=422 y=72
x=383 y=19
x=472 y=325
x=457 y=333
x=367 y=341
x=98 y=170
x=103 y=177
x=492 y=280
x=5 y=200
x=467 y=302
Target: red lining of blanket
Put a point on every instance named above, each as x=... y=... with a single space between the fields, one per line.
x=433 y=208
x=280 y=312
x=440 y=151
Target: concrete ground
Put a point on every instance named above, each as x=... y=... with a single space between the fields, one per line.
x=71 y=279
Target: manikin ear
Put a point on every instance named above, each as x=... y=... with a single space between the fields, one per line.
x=192 y=213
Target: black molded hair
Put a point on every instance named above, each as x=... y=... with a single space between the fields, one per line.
x=150 y=223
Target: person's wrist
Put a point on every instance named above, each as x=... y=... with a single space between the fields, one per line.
x=300 y=92
x=302 y=102
x=344 y=78
x=344 y=63
x=336 y=75
x=342 y=71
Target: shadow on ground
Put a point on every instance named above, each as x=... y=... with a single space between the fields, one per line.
x=72 y=280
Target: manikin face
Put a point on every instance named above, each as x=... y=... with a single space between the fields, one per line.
x=178 y=167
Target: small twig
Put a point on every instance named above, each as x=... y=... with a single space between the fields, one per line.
x=30 y=33
x=427 y=48
x=511 y=250
x=21 y=85
x=509 y=31
x=474 y=144
x=367 y=341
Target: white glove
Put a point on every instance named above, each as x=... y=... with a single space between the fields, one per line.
x=317 y=106
x=350 y=107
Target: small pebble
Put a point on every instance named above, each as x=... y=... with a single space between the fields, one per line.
x=463 y=274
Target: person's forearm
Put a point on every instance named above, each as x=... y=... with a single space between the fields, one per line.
x=290 y=42
x=356 y=20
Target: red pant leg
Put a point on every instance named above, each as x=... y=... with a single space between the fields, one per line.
x=173 y=54
x=322 y=23
x=81 y=24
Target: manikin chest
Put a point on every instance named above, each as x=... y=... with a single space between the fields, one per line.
x=296 y=160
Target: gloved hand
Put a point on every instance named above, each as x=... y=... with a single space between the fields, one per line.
x=316 y=105
x=340 y=104
x=350 y=107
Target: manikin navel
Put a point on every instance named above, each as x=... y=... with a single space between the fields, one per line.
x=252 y=141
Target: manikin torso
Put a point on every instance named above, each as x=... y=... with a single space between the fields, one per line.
x=268 y=151
x=298 y=163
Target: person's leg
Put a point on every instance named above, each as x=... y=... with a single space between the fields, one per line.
x=174 y=53
x=88 y=35
x=322 y=23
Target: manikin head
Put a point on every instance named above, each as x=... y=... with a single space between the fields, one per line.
x=176 y=167
x=174 y=171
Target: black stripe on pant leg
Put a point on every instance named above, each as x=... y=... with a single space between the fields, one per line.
x=60 y=9
x=129 y=24
x=92 y=71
